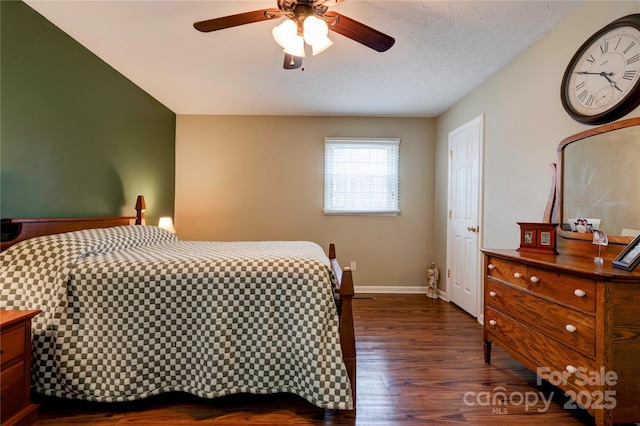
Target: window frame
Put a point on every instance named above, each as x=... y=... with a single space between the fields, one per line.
x=393 y=186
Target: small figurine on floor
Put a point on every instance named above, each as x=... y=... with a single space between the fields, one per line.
x=433 y=276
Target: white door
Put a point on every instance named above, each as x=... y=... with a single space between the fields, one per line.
x=463 y=236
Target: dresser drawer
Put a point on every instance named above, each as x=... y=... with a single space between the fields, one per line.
x=12 y=344
x=12 y=382
x=548 y=354
x=575 y=291
x=510 y=272
x=571 y=328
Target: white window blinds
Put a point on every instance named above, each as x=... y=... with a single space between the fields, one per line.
x=361 y=176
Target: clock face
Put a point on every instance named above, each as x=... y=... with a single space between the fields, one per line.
x=602 y=82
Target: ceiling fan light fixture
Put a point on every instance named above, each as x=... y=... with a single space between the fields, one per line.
x=306 y=21
x=295 y=47
x=321 y=45
x=315 y=34
x=314 y=28
x=285 y=33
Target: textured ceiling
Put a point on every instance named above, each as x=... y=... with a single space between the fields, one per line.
x=443 y=50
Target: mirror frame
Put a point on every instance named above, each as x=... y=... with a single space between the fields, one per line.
x=557 y=198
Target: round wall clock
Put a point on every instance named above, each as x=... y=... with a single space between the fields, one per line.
x=602 y=81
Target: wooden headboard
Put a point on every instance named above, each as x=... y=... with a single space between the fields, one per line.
x=16 y=230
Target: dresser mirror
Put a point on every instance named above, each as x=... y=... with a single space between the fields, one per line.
x=598 y=184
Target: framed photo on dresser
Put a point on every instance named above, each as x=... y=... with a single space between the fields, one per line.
x=629 y=258
x=538 y=237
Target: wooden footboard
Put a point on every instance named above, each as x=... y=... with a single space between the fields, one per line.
x=345 y=310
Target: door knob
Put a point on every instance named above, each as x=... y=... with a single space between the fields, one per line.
x=472 y=229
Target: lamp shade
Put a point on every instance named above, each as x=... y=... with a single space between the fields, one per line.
x=166 y=223
x=286 y=35
x=284 y=32
x=140 y=204
x=315 y=34
x=296 y=47
x=314 y=28
x=321 y=45
x=140 y=208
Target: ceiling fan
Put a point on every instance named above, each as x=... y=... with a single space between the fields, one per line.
x=308 y=22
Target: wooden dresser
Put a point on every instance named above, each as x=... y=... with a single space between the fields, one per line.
x=576 y=325
x=15 y=358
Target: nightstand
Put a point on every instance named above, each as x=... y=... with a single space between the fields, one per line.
x=15 y=361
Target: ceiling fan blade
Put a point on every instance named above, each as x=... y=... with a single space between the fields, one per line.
x=359 y=32
x=235 y=20
x=292 y=62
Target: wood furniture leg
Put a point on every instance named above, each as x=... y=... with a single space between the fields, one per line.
x=345 y=310
x=487 y=351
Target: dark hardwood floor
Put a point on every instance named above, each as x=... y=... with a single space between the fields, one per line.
x=420 y=361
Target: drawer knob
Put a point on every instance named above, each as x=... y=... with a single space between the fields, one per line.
x=517 y=275
x=491 y=266
x=579 y=293
x=492 y=322
x=534 y=279
x=570 y=328
x=493 y=294
x=571 y=369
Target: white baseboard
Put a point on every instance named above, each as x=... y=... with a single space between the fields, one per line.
x=390 y=289
x=443 y=295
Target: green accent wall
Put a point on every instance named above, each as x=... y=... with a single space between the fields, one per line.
x=77 y=138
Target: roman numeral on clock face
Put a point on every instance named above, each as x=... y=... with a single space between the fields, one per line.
x=589 y=101
x=582 y=95
x=633 y=43
x=629 y=75
x=604 y=48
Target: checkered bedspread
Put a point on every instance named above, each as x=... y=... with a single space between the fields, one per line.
x=131 y=311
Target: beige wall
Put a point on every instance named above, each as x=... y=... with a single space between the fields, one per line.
x=258 y=178
x=261 y=178
x=524 y=122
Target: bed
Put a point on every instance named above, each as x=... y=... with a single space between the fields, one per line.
x=131 y=311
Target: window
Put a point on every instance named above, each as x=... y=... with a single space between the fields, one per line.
x=361 y=176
